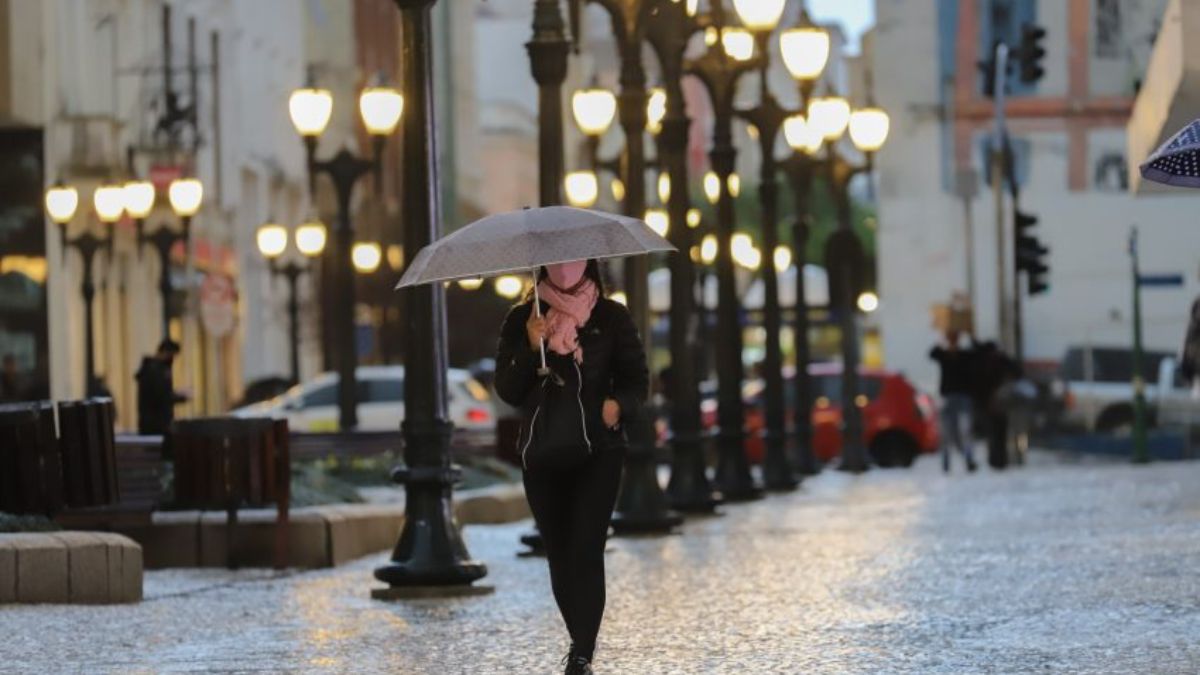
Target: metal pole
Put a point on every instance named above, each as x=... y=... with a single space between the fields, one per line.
x=87 y=249
x=642 y=505
x=548 y=60
x=430 y=551
x=346 y=350
x=689 y=489
x=162 y=244
x=999 y=147
x=1141 y=454
x=293 y=275
x=854 y=456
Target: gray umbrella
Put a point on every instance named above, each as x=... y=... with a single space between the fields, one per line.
x=523 y=241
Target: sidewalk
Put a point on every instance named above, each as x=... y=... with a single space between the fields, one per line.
x=1055 y=567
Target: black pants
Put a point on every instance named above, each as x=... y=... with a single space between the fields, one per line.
x=573 y=510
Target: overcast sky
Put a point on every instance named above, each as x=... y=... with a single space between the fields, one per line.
x=854 y=15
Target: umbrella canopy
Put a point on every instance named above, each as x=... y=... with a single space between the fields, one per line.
x=1177 y=162
x=520 y=241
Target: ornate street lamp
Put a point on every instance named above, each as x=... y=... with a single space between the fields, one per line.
x=108 y=201
x=669 y=30
x=805 y=52
x=548 y=50
x=642 y=506
x=380 y=109
x=844 y=256
x=430 y=556
x=272 y=242
x=720 y=69
x=185 y=196
x=768 y=119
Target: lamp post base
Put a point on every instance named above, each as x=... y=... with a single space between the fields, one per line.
x=733 y=477
x=689 y=490
x=642 y=507
x=778 y=475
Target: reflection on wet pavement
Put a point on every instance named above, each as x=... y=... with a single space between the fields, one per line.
x=1052 y=568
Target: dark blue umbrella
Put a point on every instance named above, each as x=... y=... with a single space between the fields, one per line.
x=1178 y=161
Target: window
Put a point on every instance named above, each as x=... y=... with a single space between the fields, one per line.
x=390 y=390
x=1108 y=29
x=321 y=396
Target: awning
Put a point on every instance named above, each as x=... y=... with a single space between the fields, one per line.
x=1170 y=95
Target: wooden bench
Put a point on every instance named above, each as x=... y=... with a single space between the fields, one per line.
x=56 y=456
x=224 y=463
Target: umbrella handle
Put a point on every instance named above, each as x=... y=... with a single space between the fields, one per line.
x=537 y=309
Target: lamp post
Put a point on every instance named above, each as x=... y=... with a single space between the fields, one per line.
x=805 y=52
x=185 y=196
x=310 y=109
x=689 y=489
x=642 y=506
x=272 y=243
x=831 y=116
x=548 y=60
x=720 y=69
x=430 y=553
x=108 y=201
x=761 y=17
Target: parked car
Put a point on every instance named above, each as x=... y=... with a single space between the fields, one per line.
x=899 y=422
x=1097 y=387
x=312 y=406
x=263 y=389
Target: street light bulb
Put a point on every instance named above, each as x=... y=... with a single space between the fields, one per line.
x=829 y=115
x=712 y=187
x=693 y=218
x=509 y=287
x=658 y=220
x=395 y=256
x=139 y=198
x=708 y=249
x=693 y=7
x=738 y=43
x=310 y=110
x=783 y=258
x=620 y=297
x=869 y=129
x=735 y=185
x=656 y=109
x=109 y=201
x=801 y=136
x=272 y=240
x=470 y=284
x=380 y=108
x=805 y=52
x=583 y=189
x=618 y=190
x=868 y=302
x=185 y=195
x=366 y=257
x=61 y=202
x=310 y=239
x=594 y=110
x=760 y=15
x=664 y=187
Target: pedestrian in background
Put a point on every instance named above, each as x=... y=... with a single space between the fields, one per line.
x=992 y=379
x=572 y=439
x=957 y=366
x=155 y=391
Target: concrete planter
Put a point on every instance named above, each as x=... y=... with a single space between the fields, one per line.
x=70 y=567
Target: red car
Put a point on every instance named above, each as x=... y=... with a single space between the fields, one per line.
x=899 y=422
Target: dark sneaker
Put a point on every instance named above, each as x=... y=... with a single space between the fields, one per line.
x=579 y=665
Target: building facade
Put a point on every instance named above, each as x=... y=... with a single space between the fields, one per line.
x=86 y=101
x=938 y=230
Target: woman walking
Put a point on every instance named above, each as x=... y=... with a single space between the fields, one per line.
x=572 y=440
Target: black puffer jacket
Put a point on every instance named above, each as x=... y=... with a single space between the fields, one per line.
x=614 y=365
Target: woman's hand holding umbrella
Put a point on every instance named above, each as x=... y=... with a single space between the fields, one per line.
x=535 y=327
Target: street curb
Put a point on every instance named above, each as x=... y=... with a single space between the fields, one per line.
x=318 y=536
x=81 y=568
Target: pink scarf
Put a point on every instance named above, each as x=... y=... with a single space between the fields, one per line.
x=568 y=311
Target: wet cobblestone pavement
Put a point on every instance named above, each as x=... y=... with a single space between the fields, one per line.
x=1052 y=568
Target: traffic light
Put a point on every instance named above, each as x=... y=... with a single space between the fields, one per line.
x=1030 y=253
x=1031 y=53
